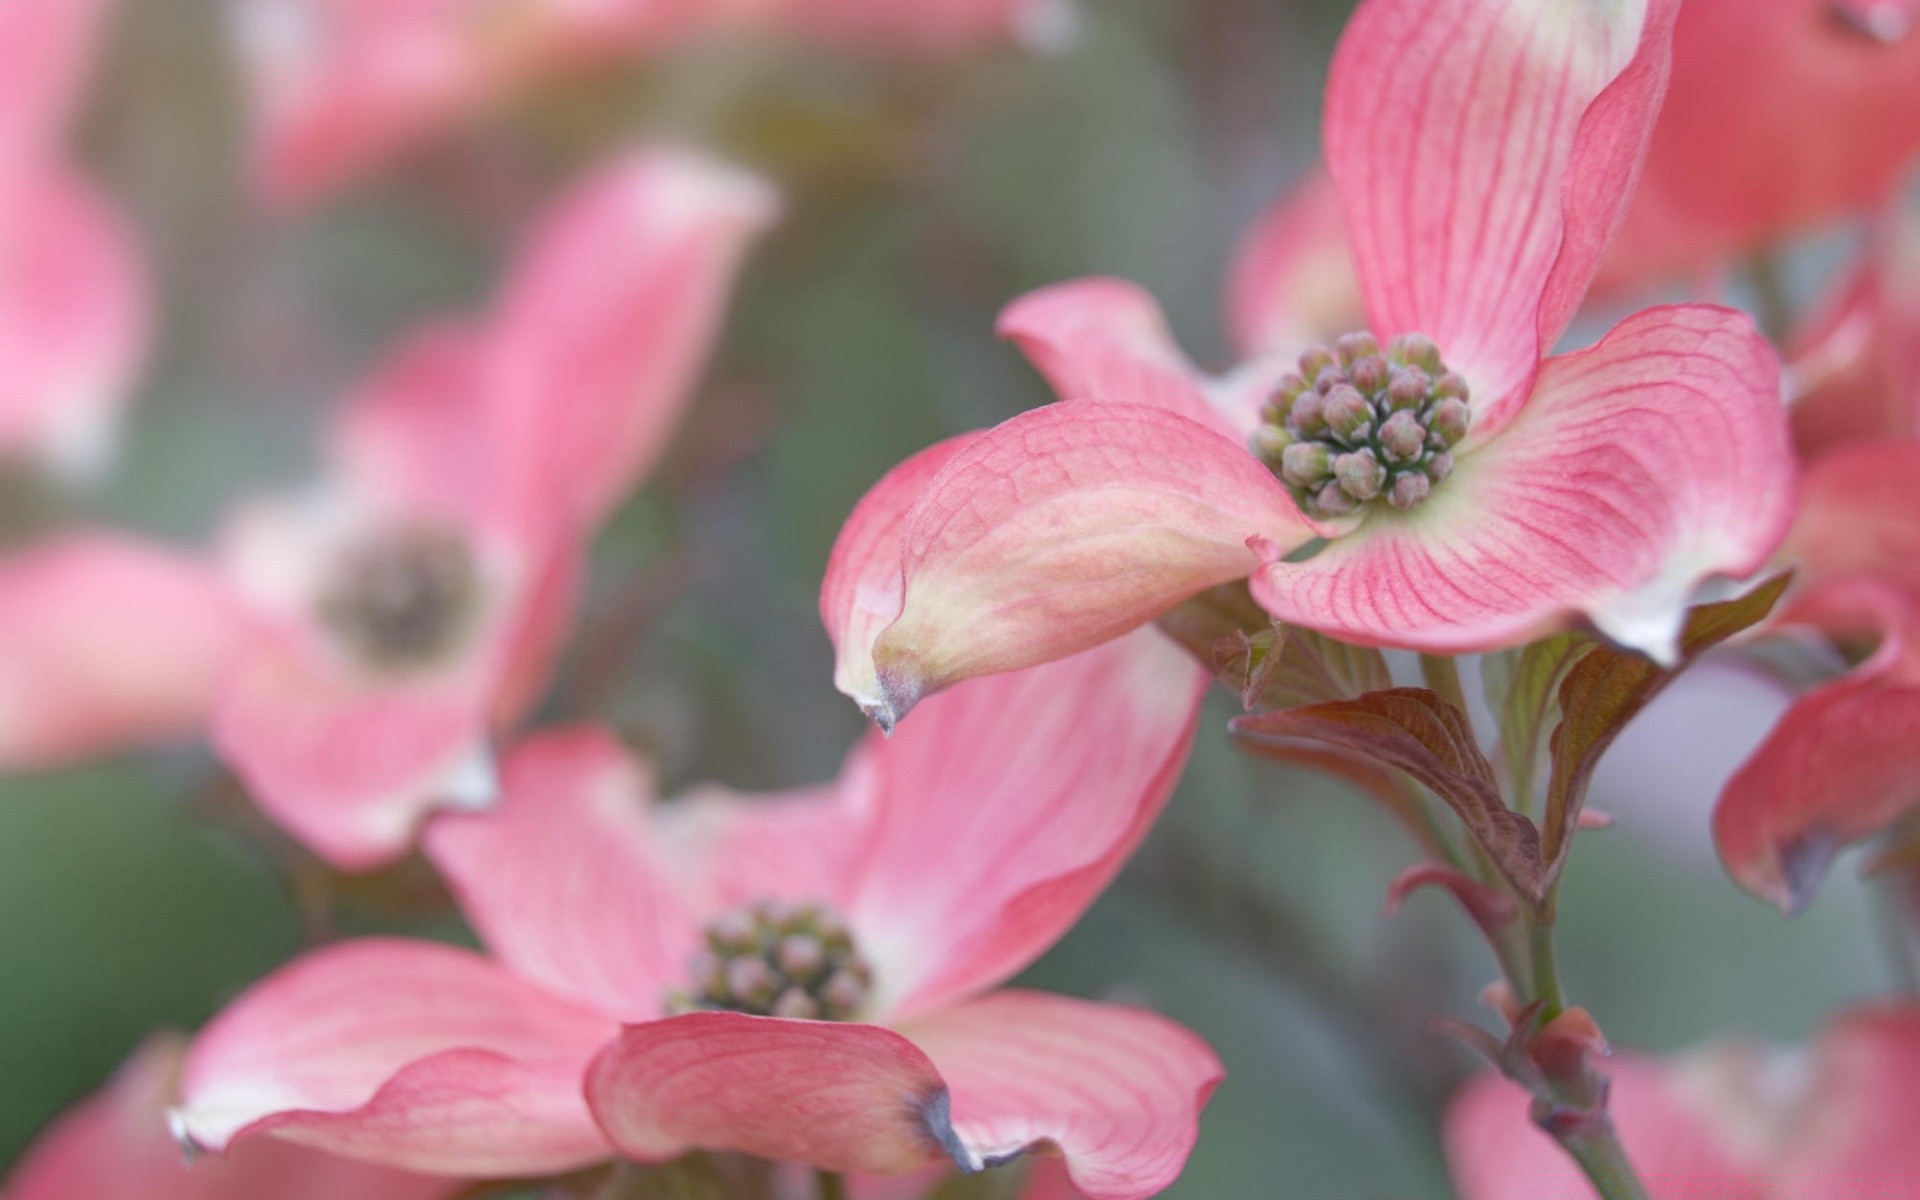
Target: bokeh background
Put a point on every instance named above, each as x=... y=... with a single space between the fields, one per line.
x=921 y=196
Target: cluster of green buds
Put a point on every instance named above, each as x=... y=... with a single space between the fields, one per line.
x=1358 y=424
x=401 y=599
x=778 y=960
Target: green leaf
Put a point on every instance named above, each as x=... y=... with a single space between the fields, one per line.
x=1522 y=687
x=1607 y=688
x=1269 y=665
x=1415 y=731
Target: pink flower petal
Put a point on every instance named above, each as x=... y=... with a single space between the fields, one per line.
x=1485 y=151
x=606 y=324
x=73 y=321
x=411 y=1054
x=846 y=1097
x=1858 y=515
x=414 y=435
x=862 y=591
x=105 y=643
x=1106 y=340
x=560 y=878
x=1778 y=115
x=1117 y=1092
x=1856 y=361
x=1293 y=281
x=1641 y=468
x=727 y=850
x=1841 y=763
x=930 y=26
x=1063 y=528
x=349 y=767
x=115 y=1145
x=47 y=49
x=979 y=862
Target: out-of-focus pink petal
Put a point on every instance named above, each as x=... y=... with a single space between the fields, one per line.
x=931 y=26
x=981 y=860
x=846 y=1097
x=560 y=878
x=1106 y=340
x=540 y=627
x=46 y=53
x=728 y=850
x=605 y=326
x=1293 y=281
x=1843 y=763
x=115 y=1144
x=1856 y=362
x=349 y=767
x=1640 y=468
x=73 y=320
x=341 y=87
x=1497 y=1153
x=1858 y=513
x=861 y=593
x=1732 y=1121
x=1779 y=115
x=414 y=434
x=1484 y=152
x=1065 y=527
x=105 y=643
x=1117 y=1092
x=411 y=1054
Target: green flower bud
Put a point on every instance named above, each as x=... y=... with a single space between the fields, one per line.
x=796 y=1005
x=1332 y=501
x=1353 y=347
x=1416 y=350
x=1449 y=419
x=1360 y=474
x=1314 y=361
x=1408 y=389
x=1306 y=465
x=1308 y=418
x=1269 y=442
x=1370 y=374
x=1403 y=437
x=1450 y=386
x=1408 y=490
x=1347 y=412
x=1439 y=466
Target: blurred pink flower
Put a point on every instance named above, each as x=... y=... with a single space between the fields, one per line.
x=1840 y=764
x=73 y=303
x=382 y=626
x=114 y=1145
x=1483 y=153
x=888 y=902
x=1856 y=361
x=1731 y=1121
x=341 y=87
x=1780 y=114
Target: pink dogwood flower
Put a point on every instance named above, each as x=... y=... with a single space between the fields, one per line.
x=115 y=1145
x=73 y=302
x=805 y=977
x=1472 y=492
x=342 y=87
x=1780 y=115
x=379 y=629
x=1841 y=763
x=1730 y=1121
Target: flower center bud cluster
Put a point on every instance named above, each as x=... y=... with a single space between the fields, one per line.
x=778 y=960
x=1358 y=424
x=402 y=599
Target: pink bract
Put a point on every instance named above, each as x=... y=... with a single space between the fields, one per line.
x=951 y=868
x=1483 y=153
x=115 y=1145
x=1732 y=1121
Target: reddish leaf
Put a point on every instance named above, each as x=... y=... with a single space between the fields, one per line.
x=1522 y=687
x=1413 y=730
x=1269 y=665
x=1607 y=688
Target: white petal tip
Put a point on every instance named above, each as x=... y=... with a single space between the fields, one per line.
x=473 y=785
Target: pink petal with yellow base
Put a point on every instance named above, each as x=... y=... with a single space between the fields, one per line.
x=107 y=643
x=1484 y=152
x=114 y=1144
x=408 y=1053
x=1652 y=463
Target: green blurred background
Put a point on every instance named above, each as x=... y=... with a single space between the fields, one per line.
x=921 y=197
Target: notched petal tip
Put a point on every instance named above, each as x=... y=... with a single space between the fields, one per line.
x=1803 y=864
x=935 y=1115
x=179 y=1129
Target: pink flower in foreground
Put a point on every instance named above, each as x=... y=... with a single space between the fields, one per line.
x=342 y=87
x=73 y=306
x=1733 y=1121
x=1780 y=114
x=829 y=953
x=114 y=1146
x=1472 y=495
x=1843 y=762
x=381 y=627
